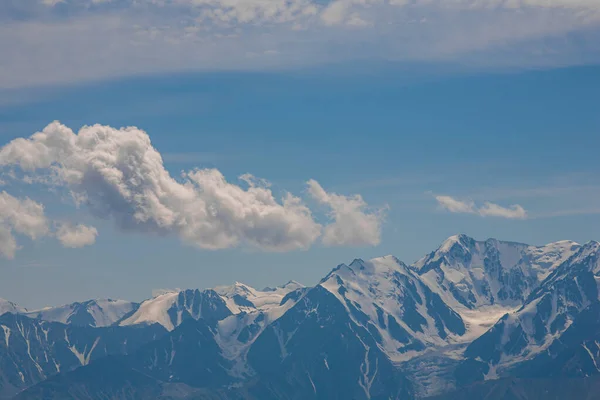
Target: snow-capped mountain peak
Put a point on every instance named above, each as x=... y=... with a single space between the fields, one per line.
x=587 y=250
x=389 y=300
x=97 y=312
x=379 y=265
x=462 y=248
x=10 y=307
x=291 y=285
x=472 y=274
x=470 y=310
x=243 y=298
x=154 y=310
x=544 y=259
x=549 y=310
x=171 y=309
x=460 y=240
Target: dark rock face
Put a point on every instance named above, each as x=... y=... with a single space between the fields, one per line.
x=188 y=355
x=575 y=354
x=108 y=378
x=180 y=361
x=33 y=350
x=195 y=304
x=315 y=351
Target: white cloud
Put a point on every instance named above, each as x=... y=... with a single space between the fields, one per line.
x=336 y=12
x=27 y=217
x=81 y=40
x=486 y=210
x=8 y=243
x=456 y=206
x=253 y=11
x=75 y=236
x=52 y=3
x=353 y=224
x=494 y=210
x=118 y=174
x=22 y=216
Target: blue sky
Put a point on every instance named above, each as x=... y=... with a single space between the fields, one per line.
x=399 y=133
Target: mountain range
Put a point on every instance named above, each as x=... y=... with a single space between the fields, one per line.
x=473 y=319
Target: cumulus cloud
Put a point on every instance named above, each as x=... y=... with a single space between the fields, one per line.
x=118 y=174
x=486 y=210
x=75 y=236
x=53 y=42
x=22 y=216
x=353 y=223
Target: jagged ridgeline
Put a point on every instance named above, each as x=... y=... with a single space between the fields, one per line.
x=473 y=319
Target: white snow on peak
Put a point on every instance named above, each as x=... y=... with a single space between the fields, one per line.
x=471 y=274
x=554 y=305
x=153 y=311
x=166 y=309
x=240 y=297
x=103 y=312
x=10 y=307
x=544 y=259
x=381 y=288
x=378 y=266
x=236 y=288
x=459 y=246
x=587 y=249
x=288 y=287
x=451 y=241
x=108 y=312
x=237 y=332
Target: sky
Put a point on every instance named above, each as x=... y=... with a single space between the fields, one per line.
x=192 y=143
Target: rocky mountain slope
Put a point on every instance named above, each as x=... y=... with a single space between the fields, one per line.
x=460 y=318
x=32 y=350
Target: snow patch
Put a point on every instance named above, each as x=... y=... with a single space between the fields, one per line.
x=154 y=311
x=6 y=330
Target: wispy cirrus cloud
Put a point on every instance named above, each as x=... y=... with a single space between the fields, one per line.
x=487 y=209
x=57 y=42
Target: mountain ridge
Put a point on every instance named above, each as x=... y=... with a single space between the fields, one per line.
x=470 y=311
